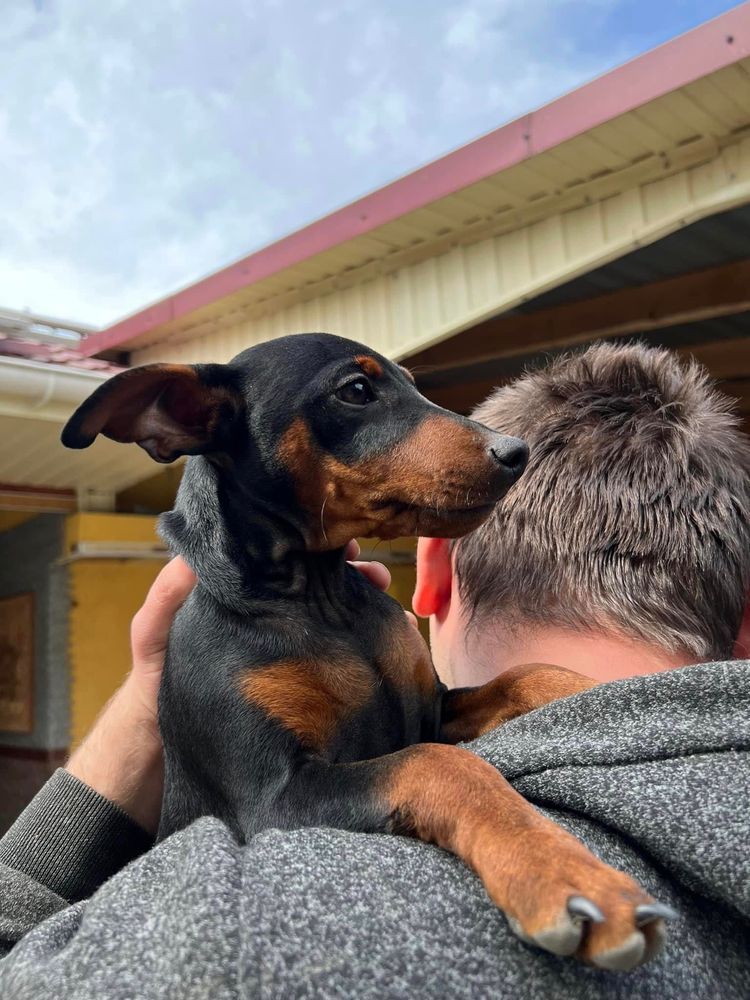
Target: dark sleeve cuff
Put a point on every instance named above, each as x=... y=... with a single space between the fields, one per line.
x=71 y=839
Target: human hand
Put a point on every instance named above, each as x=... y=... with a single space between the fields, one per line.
x=375 y=572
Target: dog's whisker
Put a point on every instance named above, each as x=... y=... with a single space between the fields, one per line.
x=322 y=524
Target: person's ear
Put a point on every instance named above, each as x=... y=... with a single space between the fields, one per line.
x=432 y=594
x=169 y=410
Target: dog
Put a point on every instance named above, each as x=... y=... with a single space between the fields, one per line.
x=294 y=692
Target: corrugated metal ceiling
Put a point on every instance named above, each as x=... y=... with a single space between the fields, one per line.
x=31 y=454
x=718 y=239
x=713 y=241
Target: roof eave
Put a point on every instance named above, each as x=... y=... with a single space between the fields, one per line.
x=677 y=63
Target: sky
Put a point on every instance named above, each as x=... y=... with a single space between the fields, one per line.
x=145 y=144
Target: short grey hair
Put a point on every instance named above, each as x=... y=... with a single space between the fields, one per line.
x=634 y=512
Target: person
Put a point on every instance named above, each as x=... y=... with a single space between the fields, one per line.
x=623 y=553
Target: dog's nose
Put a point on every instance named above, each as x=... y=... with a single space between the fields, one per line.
x=511 y=454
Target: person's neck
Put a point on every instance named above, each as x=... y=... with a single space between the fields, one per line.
x=601 y=656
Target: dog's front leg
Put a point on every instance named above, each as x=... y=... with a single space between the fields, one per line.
x=469 y=712
x=554 y=892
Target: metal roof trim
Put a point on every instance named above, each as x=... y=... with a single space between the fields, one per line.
x=683 y=60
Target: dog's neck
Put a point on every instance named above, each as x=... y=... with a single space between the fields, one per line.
x=245 y=547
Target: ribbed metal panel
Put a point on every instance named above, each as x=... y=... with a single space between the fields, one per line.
x=433 y=297
x=715 y=240
x=31 y=453
x=659 y=140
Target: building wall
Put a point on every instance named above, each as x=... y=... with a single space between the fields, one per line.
x=105 y=594
x=83 y=607
x=29 y=555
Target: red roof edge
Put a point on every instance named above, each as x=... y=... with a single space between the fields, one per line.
x=703 y=50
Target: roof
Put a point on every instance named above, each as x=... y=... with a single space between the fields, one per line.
x=48 y=340
x=35 y=399
x=564 y=144
x=58 y=355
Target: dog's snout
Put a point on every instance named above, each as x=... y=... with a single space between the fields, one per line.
x=511 y=454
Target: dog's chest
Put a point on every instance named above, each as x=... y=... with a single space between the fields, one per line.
x=354 y=700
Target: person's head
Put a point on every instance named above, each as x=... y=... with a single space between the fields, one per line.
x=631 y=522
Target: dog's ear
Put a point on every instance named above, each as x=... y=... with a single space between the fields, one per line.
x=169 y=410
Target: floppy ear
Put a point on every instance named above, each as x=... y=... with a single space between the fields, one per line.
x=169 y=410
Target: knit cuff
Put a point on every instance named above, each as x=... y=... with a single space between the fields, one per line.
x=71 y=839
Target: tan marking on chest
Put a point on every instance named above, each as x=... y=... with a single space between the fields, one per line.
x=310 y=699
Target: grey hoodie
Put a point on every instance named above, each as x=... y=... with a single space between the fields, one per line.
x=653 y=773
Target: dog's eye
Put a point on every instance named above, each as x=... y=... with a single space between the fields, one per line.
x=358 y=392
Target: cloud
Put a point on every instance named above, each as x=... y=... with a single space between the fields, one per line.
x=147 y=144
x=464 y=30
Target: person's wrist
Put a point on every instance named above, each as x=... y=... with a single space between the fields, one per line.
x=121 y=758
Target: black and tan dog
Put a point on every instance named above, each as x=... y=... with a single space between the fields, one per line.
x=297 y=694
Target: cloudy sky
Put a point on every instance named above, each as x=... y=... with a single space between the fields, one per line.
x=144 y=143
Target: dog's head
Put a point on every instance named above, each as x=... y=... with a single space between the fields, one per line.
x=323 y=424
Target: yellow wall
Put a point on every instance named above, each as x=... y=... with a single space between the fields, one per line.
x=12 y=518
x=155 y=494
x=116 y=528
x=105 y=594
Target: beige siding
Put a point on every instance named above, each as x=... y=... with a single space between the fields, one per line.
x=424 y=301
x=666 y=137
x=31 y=453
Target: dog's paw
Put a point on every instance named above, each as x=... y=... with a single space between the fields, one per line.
x=626 y=941
x=560 y=897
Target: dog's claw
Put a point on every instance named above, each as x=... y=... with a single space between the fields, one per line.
x=580 y=908
x=575 y=928
x=648 y=912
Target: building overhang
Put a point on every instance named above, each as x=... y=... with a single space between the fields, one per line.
x=35 y=401
x=672 y=109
